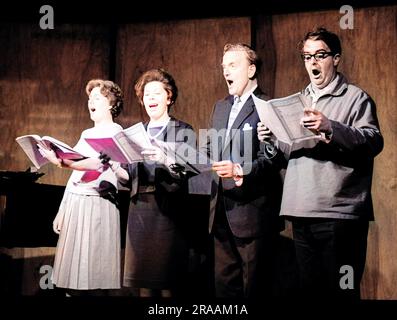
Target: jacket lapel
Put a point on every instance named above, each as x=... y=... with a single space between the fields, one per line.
x=222 y=116
x=244 y=113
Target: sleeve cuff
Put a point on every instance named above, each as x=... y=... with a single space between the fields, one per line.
x=269 y=150
x=327 y=136
x=238 y=174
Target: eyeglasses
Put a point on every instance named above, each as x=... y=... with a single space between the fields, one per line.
x=317 y=56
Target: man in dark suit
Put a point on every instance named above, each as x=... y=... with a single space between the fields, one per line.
x=243 y=219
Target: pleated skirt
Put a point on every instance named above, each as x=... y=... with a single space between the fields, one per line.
x=88 y=250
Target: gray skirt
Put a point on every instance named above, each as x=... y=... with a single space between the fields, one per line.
x=88 y=250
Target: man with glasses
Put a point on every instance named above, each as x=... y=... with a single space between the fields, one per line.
x=327 y=188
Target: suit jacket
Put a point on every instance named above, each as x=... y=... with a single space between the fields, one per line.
x=253 y=208
x=158 y=175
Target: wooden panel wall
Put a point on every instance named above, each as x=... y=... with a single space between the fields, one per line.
x=43 y=76
x=42 y=79
x=368 y=60
x=191 y=50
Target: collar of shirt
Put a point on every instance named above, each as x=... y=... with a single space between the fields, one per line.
x=245 y=96
x=159 y=123
x=158 y=127
x=335 y=87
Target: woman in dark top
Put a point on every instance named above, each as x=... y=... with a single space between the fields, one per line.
x=156 y=253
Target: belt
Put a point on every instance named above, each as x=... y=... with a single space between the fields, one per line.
x=146 y=189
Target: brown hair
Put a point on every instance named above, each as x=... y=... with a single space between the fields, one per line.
x=159 y=75
x=329 y=38
x=252 y=56
x=111 y=91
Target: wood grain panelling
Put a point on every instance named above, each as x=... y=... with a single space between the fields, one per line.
x=191 y=50
x=42 y=86
x=368 y=60
x=265 y=47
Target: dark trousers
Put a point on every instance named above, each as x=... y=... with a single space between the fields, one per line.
x=240 y=267
x=331 y=256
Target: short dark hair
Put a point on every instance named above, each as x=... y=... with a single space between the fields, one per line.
x=159 y=75
x=252 y=56
x=329 y=38
x=111 y=91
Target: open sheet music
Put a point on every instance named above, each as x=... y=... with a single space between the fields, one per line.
x=125 y=146
x=282 y=116
x=185 y=155
x=29 y=144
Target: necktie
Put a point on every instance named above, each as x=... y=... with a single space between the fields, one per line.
x=233 y=113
